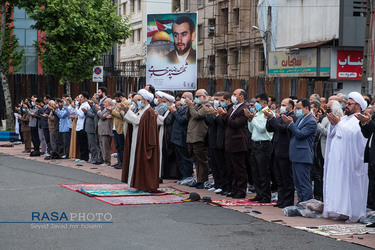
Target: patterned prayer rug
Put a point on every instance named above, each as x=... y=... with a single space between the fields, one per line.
x=141 y=200
x=340 y=229
x=117 y=189
x=240 y=202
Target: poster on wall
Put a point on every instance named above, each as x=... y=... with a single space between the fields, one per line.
x=349 y=64
x=171 y=62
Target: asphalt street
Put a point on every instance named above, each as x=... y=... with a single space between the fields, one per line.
x=28 y=187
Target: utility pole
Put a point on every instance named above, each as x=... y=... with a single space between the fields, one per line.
x=366 y=49
x=268 y=36
x=373 y=45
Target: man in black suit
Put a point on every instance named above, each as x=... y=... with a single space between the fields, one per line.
x=178 y=137
x=183 y=36
x=367 y=124
x=282 y=164
x=236 y=142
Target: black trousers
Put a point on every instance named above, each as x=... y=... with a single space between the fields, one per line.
x=284 y=178
x=248 y=167
x=260 y=168
x=371 y=186
x=184 y=162
x=317 y=173
x=217 y=164
x=48 y=140
x=35 y=138
x=236 y=163
x=119 y=144
x=83 y=145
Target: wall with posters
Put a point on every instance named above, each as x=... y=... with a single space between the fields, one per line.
x=171 y=51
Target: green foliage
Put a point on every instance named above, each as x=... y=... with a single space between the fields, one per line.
x=11 y=55
x=76 y=32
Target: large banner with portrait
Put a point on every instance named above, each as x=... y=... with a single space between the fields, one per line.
x=171 y=51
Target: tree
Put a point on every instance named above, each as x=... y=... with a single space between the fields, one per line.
x=10 y=55
x=76 y=33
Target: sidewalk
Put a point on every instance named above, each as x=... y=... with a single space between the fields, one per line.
x=268 y=213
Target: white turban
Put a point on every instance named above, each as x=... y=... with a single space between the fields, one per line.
x=169 y=97
x=358 y=98
x=160 y=93
x=146 y=95
x=165 y=95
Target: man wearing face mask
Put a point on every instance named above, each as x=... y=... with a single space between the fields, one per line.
x=196 y=134
x=178 y=136
x=216 y=136
x=262 y=148
x=236 y=143
x=282 y=164
x=301 y=145
x=168 y=162
x=141 y=153
x=160 y=107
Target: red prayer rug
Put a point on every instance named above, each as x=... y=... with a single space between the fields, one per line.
x=117 y=189
x=240 y=202
x=141 y=200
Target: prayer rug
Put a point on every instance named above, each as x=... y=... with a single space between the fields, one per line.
x=240 y=202
x=141 y=200
x=120 y=189
x=340 y=229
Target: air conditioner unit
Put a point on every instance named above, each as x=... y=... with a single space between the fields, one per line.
x=211 y=29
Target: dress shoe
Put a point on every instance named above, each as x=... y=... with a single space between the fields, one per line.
x=264 y=201
x=225 y=193
x=196 y=184
x=231 y=194
x=239 y=196
x=256 y=198
x=118 y=167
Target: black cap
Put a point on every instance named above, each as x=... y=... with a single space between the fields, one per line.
x=193 y=197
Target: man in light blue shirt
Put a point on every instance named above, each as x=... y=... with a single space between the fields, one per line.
x=63 y=113
x=262 y=149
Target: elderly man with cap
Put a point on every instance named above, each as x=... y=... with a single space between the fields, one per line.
x=345 y=182
x=141 y=154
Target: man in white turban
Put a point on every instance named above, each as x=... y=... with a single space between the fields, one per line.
x=345 y=180
x=141 y=154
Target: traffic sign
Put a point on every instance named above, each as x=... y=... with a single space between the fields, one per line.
x=97 y=75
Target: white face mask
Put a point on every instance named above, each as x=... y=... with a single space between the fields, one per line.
x=216 y=103
x=156 y=101
x=183 y=102
x=283 y=110
x=234 y=100
x=76 y=103
x=129 y=100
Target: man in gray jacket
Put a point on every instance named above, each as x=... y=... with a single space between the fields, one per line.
x=91 y=124
x=196 y=135
x=105 y=130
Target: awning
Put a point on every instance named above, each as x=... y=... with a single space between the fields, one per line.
x=309 y=45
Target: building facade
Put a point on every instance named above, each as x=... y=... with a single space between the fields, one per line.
x=318 y=40
x=132 y=53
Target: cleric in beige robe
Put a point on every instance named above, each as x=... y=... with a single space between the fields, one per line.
x=141 y=152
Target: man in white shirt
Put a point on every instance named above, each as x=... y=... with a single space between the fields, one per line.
x=81 y=133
